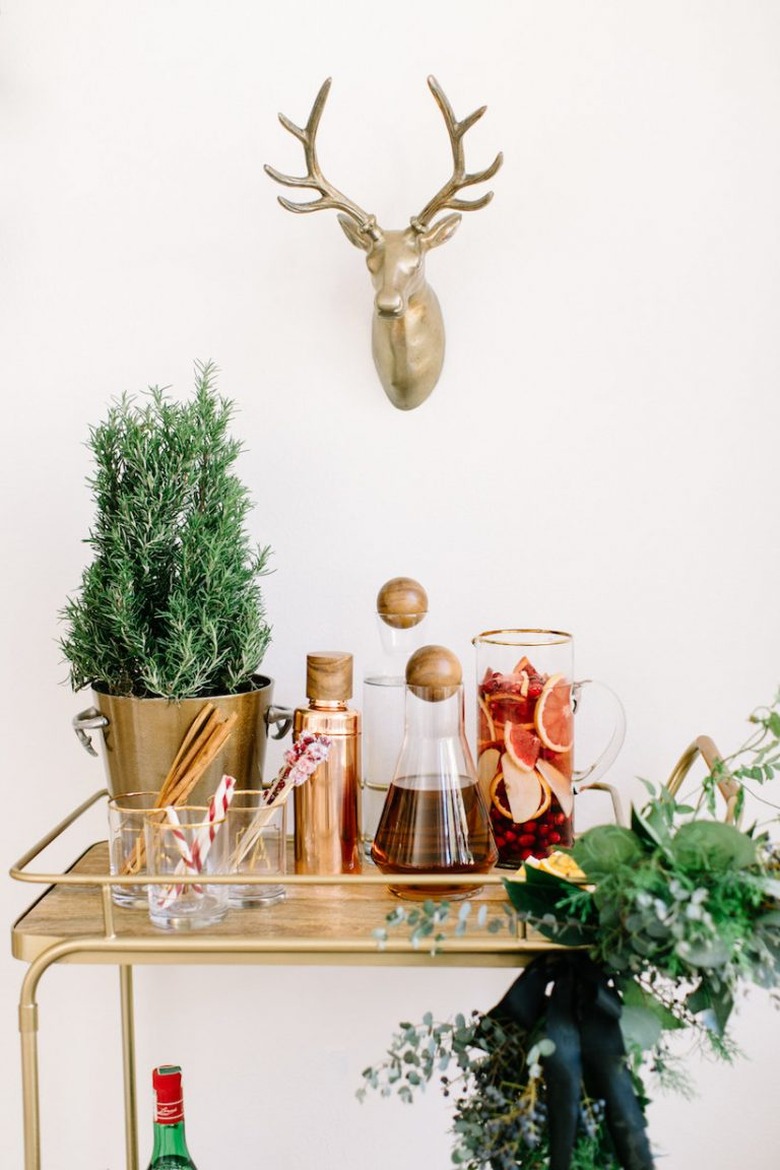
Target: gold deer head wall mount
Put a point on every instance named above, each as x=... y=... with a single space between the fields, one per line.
x=407 y=336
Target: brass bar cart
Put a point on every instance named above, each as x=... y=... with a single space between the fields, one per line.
x=323 y=921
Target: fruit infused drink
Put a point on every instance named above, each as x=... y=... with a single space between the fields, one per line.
x=525 y=733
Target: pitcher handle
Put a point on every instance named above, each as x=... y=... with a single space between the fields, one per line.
x=614 y=744
x=89 y=720
x=282 y=720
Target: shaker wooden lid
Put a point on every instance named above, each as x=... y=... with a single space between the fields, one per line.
x=434 y=673
x=402 y=603
x=329 y=676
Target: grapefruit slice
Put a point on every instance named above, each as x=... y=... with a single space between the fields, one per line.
x=554 y=716
x=522 y=745
x=559 y=784
x=524 y=792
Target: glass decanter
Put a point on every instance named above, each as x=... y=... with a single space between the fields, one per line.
x=434 y=819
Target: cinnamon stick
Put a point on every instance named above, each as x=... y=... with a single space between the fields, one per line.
x=205 y=738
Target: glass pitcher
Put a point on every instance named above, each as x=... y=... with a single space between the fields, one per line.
x=526 y=699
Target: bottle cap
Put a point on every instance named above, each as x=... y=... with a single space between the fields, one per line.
x=402 y=603
x=329 y=676
x=434 y=673
x=168 y=1095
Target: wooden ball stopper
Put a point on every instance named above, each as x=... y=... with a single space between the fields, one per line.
x=329 y=676
x=433 y=673
x=402 y=603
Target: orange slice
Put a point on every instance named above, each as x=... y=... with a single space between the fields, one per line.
x=546 y=797
x=554 y=716
x=494 y=796
x=522 y=745
x=559 y=784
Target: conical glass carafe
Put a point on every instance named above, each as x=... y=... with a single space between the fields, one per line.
x=402 y=606
x=434 y=819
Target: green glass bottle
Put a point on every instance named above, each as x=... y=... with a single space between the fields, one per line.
x=170 y=1144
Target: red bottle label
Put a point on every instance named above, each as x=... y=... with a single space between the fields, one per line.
x=169 y=1112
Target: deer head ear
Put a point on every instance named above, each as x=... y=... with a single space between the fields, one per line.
x=441 y=231
x=354 y=233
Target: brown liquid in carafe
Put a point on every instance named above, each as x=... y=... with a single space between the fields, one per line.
x=427 y=828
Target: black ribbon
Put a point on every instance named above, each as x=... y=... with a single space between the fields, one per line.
x=581 y=1014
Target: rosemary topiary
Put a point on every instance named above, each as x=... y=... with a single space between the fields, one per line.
x=171 y=604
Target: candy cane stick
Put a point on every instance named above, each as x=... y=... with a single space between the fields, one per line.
x=194 y=859
x=218 y=806
x=188 y=859
x=187 y=862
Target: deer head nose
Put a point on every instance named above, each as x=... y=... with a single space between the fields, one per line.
x=389 y=304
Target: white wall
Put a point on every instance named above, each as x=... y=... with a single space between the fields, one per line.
x=600 y=455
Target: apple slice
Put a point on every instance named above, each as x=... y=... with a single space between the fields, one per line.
x=487 y=768
x=524 y=791
x=560 y=785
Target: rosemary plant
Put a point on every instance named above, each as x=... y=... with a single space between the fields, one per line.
x=171 y=604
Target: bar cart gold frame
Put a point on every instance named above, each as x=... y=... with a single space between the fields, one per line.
x=325 y=920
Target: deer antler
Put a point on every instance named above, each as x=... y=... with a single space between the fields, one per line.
x=446 y=197
x=330 y=196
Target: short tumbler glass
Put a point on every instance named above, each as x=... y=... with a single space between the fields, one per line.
x=191 y=846
x=126 y=847
x=257 y=844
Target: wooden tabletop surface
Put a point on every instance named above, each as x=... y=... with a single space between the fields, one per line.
x=322 y=924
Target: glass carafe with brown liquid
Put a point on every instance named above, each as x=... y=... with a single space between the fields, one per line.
x=402 y=607
x=434 y=819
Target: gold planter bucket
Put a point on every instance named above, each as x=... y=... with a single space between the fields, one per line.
x=141 y=738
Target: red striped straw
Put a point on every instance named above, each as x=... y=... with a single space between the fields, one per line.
x=218 y=806
x=189 y=859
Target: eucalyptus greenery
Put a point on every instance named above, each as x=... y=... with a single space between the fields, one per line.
x=170 y=604
x=677 y=914
x=493 y=1072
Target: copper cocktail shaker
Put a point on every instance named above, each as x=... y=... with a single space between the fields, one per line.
x=327 y=805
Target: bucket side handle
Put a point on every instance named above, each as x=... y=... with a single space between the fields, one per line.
x=86 y=721
x=281 y=718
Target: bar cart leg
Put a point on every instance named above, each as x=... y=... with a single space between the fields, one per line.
x=28 y=1027
x=128 y=1065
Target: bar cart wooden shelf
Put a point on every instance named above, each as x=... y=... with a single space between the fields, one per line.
x=322 y=921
